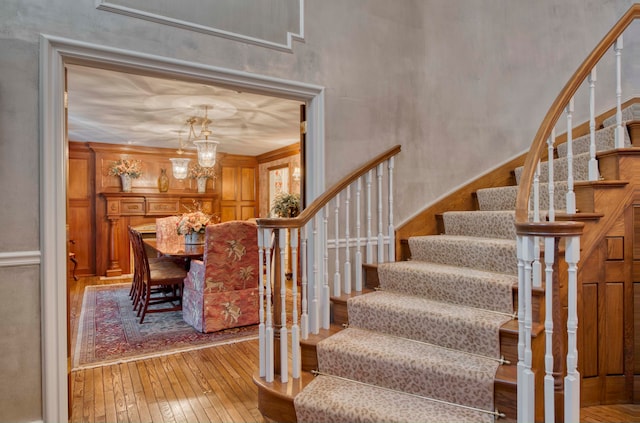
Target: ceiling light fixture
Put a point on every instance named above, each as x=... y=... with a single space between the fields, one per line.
x=206 y=147
x=180 y=165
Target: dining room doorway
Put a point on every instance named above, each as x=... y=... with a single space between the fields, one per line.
x=55 y=54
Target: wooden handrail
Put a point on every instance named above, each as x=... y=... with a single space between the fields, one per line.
x=544 y=131
x=328 y=195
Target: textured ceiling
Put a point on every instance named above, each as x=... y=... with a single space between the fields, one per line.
x=121 y=108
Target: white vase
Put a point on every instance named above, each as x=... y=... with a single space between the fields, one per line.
x=202 y=185
x=126 y=182
x=194 y=238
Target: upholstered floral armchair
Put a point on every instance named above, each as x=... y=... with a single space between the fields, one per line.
x=221 y=291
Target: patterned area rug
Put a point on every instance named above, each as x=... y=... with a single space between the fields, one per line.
x=109 y=331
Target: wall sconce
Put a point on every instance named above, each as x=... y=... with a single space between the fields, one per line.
x=296 y=174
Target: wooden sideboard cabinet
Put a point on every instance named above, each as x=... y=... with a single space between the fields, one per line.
x=121 y=207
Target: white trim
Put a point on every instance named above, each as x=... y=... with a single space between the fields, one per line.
x=19 y=258
x=54 y=53
x=178 y=23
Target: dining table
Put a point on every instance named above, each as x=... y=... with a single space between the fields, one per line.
x=176 y=248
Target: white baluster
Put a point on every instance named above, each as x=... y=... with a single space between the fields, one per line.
x=379 y=174
x=619 y=134
x=296 y=363
x=392 y=230
x=304 y=318
x=549 y=391
x=551 y=186
x=324 y=300
x=358 y=246
x=537 y=267
x=526 y=378
x=261 y=326
x=347 y=250
x=572 y=380
x=284 y=349
x=269 y=353
x=336 y=274
x=520 y=367
x=571 y=197
x=314 y=316
x=593 y=163
x=369 y=250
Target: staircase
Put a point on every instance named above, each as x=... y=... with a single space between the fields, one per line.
x=438 y=340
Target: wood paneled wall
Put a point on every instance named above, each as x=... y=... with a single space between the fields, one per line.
x=234 y=195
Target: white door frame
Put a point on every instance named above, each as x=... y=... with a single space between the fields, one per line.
x=55 y=52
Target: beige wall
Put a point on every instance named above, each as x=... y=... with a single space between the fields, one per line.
x=461 y=84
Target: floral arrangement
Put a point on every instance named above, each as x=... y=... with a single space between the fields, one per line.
x=193 y=222
x=286 y=205
x=129 y=167
x=196 y=171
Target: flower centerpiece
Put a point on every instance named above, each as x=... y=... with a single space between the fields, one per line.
x=286 y=205
x=201 y=174
x=126 y=169
x=192 y=225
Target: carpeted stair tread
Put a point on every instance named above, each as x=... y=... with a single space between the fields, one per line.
x=494 y=255
x=561 y=169
x=628 y=113
x=449 y=325
x=329 y=399
x=455 y=285
x=482 y=223
x=405 y=365
x=604 y=138
x=504 y=198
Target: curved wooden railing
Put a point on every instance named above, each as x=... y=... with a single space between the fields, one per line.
x=539 y=242
x=305 y=241
x=562 y=100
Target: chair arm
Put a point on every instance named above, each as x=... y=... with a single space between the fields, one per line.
x=195 y=277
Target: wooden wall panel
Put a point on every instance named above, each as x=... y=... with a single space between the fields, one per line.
x=233 y=193
x=614 y=333
x=248 y=212
x=636 y=326
x=228 y=183
x=248 y=184
x=589 y=323
x=228 y=213
x=81 y=209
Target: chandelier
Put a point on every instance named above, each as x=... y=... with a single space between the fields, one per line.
x=206 y=148
x=180 y=165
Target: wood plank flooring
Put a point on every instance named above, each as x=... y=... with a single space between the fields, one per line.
x=207 y=385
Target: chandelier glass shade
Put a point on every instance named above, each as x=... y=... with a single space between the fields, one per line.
x=180 y=166
x=206 y=147
x=206 y=152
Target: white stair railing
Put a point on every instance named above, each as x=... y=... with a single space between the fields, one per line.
x=324 y=229
x=561 y=375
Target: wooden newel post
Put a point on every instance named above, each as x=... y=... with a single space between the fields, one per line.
x=559 y=330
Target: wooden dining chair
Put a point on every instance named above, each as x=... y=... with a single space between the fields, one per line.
x=161 y=281
x=137 y=286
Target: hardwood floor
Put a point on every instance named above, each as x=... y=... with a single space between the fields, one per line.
x=207 y=385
